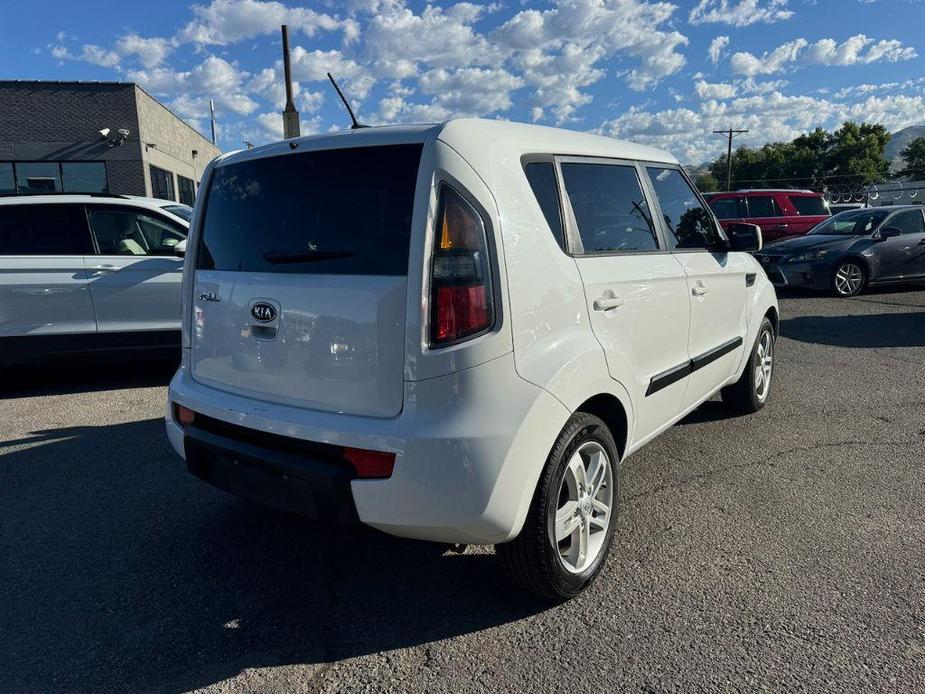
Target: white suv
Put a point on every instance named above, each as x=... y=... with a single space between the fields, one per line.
x=456 y=332
x=88 y=273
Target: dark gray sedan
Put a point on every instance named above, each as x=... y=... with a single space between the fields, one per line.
x=852 y=250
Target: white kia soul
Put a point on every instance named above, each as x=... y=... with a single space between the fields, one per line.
x=456 y=332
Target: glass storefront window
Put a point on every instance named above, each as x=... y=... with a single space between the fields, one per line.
x=38 y=177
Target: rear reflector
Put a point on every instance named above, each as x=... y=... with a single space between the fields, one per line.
x=184 y=415
x=370 y=464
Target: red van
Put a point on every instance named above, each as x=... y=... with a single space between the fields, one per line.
x=779 y=212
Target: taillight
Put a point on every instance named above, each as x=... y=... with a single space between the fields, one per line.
x=370 y=464
x=460 y=283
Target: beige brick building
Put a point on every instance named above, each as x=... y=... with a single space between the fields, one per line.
x=50 y=140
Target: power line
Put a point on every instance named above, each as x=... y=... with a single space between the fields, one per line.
x=730 y=133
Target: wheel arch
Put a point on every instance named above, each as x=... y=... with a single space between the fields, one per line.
x=611 y=411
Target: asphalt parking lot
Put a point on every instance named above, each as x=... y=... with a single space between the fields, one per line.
x=783 y=551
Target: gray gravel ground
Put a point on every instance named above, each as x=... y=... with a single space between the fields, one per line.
x=783 y=551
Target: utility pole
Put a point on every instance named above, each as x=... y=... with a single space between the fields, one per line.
x=730 y=134
x=290 y=115
x=212 y=118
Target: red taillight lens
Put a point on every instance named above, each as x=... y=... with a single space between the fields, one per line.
x=460 y=282
x=370 y=464
x=184 y=415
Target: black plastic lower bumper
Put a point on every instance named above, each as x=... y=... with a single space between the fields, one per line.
x=308 y=485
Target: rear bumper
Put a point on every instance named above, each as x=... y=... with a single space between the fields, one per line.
x=311 y=486
x=469 y=449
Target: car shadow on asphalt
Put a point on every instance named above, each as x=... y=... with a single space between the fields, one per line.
x=121 y=572
x=85 y=376
x=869 y=330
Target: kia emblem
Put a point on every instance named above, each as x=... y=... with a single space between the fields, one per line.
x=263 y=312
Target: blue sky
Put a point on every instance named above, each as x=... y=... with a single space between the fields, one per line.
x=663 y=73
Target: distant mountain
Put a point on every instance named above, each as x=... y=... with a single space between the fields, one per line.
x=899 y=141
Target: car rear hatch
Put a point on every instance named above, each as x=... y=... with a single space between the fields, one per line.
x=299 y=288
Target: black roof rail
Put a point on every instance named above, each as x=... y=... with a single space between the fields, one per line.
x=59 y=192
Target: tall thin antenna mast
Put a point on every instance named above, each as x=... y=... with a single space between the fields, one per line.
x=212 y=118
x=356 y=123
x=291 y=126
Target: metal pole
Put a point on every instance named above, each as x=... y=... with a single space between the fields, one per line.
x=729 y=133
x=212 y=117
x=290 y=115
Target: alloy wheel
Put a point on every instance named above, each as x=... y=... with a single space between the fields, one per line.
x=583 y=513
x=764 y=366
x=848 y=279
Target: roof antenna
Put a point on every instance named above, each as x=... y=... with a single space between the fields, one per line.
x=356 y=123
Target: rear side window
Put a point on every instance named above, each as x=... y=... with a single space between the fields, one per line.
x=345 y=212
x=542 y=178
x=610 y=208
x=808 y=204
x=762 y=206
x=727 y=208
x=690 y=225
x=43 y=230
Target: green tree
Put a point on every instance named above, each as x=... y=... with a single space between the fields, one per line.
x=707 y=183
x=914 y=157
x=857 y=153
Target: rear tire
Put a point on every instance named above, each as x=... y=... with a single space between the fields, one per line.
x=751 y=392
x=575 y=501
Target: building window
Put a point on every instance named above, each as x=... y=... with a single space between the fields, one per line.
x=84 y=177
x=162 y=184
x=186 y=189
x=38 y=177
x=7 y=180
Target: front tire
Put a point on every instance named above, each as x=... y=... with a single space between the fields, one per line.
x=849 y=278
x=569 y=527
x=750 y=393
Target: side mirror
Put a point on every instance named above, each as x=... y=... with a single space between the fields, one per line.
x=889 y=232
x=180 y=249
x=744 y=237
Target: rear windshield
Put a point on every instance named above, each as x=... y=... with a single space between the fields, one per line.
x=809 y=205
x=342 y=212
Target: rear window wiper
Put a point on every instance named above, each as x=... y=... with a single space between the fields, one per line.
x=309 y=256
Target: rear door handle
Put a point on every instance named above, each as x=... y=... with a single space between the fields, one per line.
x=782 y=227
x=606 y=303
x=104 y=268
x=700 y=289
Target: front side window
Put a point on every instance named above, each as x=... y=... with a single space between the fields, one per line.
x=84 y=177
x=43 y=230
x=726 y=208
x=609 y=207
x=162 y=184
x=38 y=177
x=762 y=206
x=689 y=224
x=124 y=232
x=340 y=211
x=908 y=222
x=542 y=178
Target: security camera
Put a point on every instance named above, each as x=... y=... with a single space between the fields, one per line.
x=124 y=132
x=104 y=133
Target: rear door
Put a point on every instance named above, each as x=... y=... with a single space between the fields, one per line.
x=764 y=211
x=635 y=290
x=808 y=211
x=43 y=284
x=903 y=257
x=299 y=290
x=135 y=276
x=716 y=283
x=729 y=209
